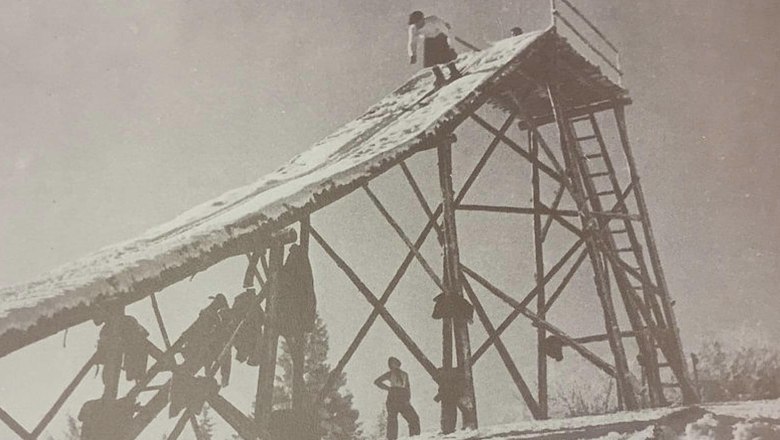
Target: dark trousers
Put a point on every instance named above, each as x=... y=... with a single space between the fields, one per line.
x=398 y=403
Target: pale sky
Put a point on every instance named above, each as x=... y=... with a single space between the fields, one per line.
x=116 y=116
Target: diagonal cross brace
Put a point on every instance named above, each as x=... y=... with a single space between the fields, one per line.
x=433 y=218
x=581 y=349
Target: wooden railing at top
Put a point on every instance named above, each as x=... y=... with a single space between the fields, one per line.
x=556 y=16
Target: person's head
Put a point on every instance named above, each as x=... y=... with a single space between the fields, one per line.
x=515 y=31
x=417 y=19
x=393 y=363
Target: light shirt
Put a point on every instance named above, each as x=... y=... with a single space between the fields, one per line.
x=433 y=27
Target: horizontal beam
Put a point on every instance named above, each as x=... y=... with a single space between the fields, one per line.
x=577 y=112
x=517 y=210
x=600 y=338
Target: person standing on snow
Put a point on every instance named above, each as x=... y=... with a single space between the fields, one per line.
x=436 y=35
x=399 y=394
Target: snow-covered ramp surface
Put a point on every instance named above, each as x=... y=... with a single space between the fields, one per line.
x=396 y=127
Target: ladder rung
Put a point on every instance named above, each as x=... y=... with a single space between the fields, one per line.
x=619 y=231
x=586 y=138
x=593 y=156
x=663 y=364
x=628 y=249
x=637 y=287
x=605 y=173
x=605 y=193
x=580 y=118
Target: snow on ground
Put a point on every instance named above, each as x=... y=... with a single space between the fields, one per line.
x=396 y=126
x=739 y=421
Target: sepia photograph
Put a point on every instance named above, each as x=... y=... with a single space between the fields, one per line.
x=389 y=219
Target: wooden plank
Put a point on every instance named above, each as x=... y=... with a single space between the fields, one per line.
x=178 y=429
x=680 y=367
x=587 y=354
x=645 y=345
x=63 y=397
x=363 y=331
x=517 y=148
x=541 y=333
x=421 y=199
x=581 y=188
x=554 y=207
x=506 y=358
x=15 y=426
x=527 y=300
x=601 y=338
x=566 y=279
x=391 y=221
x=160 y=322
x=453 y=285
x=518 y=210
x=413 y=348
x=269 y=342
x=542 y=120
x=242 y=424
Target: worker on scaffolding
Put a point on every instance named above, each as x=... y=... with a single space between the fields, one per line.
x=436 y=34
x=399 y=394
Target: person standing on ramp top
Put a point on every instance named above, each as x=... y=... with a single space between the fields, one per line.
x=396 y=383
x=437 y=35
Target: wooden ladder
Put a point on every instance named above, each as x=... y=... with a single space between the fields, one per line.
x=622 y=248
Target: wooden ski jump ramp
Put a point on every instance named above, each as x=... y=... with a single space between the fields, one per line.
x=537 y=79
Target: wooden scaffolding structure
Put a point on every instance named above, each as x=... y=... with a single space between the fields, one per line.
x=610 y=226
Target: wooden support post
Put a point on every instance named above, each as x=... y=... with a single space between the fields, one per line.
x=541 y=333
x=453 y=286
x=113 y=365
x=610 y=319
x=678 y=363
x=298 y=343
x=506 y=358
x=269 y=342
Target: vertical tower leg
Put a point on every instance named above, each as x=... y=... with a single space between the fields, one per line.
x=269 y=342
x=541 y=333
x=453 y=286
x=298 y=345
x=600 y=279
x=113 y=366
x=673 y=341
